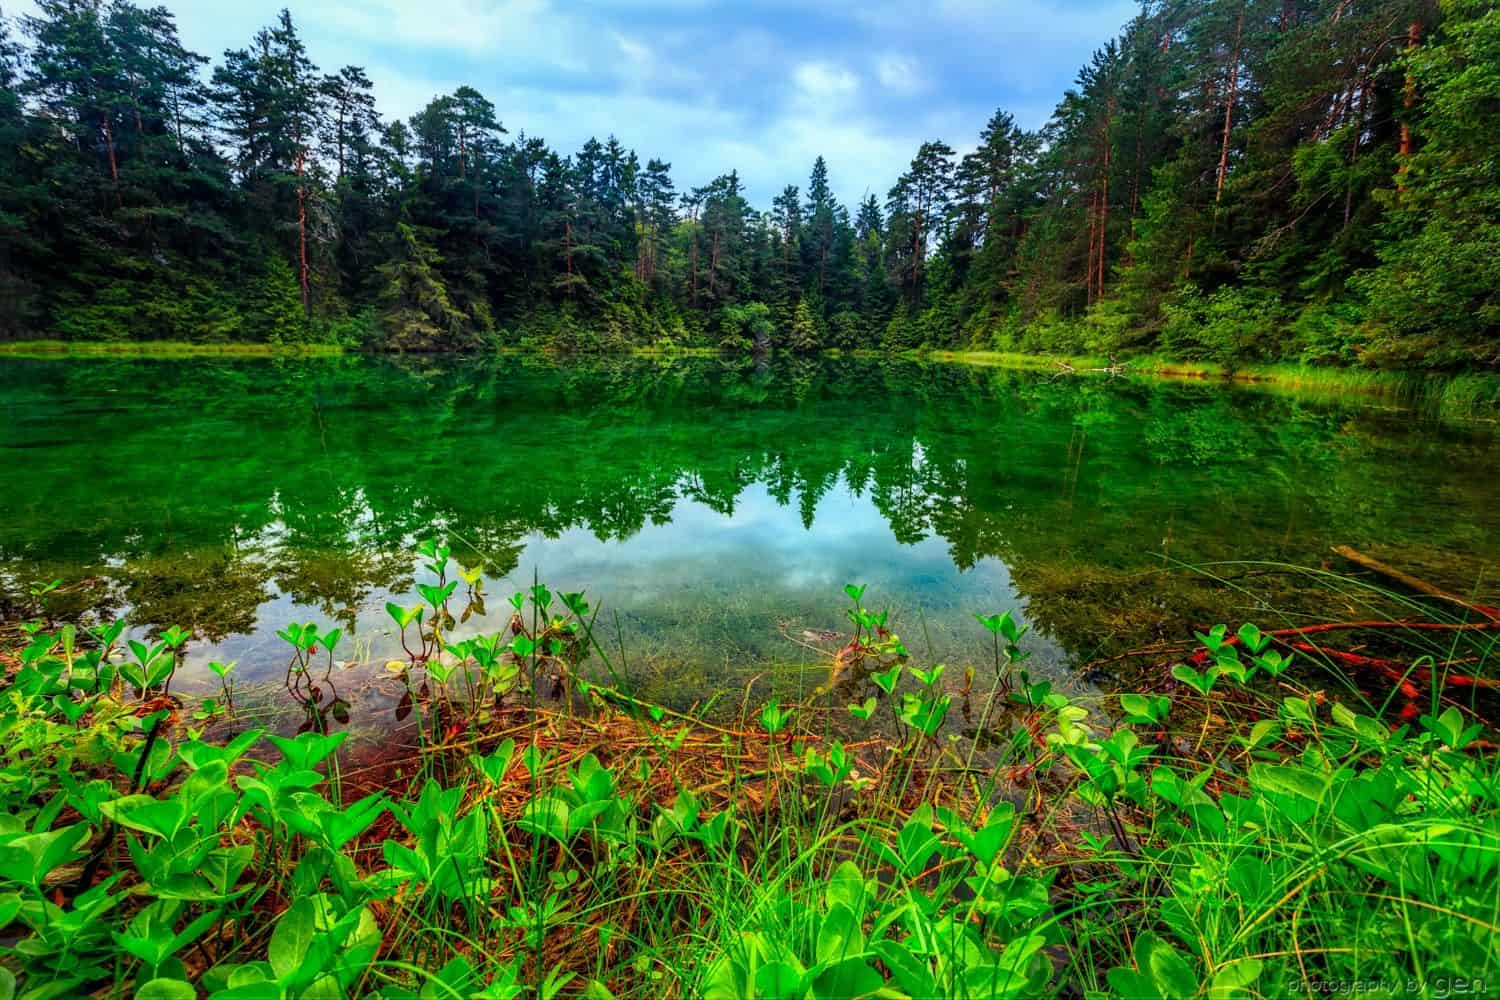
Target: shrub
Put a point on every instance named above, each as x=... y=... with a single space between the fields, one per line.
x=746 y=327
x=1231 y=326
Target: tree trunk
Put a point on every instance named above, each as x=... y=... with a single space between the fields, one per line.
x=177 y=119
x=109 y=143
x=713 y=265
x=1140 y=165
x=341 y=142
x=1234 y=81
x=1094 y=242
x=302 y=232
x=693 y=258
x=1408 y=102
x=1104 y=199
x=1359 y=127
x=916 y=253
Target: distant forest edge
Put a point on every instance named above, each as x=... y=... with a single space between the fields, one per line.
x=1231 y=181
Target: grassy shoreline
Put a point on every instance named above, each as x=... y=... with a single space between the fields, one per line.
x=1469 y=395
x=160 y=349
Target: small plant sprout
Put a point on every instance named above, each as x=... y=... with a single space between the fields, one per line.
x=1145 y=710
x=1003 y=626
x=887 y=679
x=224 y=672
x=404 y=619
x=773 y=718
x=40 y=592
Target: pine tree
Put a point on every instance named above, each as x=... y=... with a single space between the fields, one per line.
x=819 y=241
x=415 y=309
x=918 y=206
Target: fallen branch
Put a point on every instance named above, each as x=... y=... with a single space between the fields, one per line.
x=1170 y=648
x=1401 y=672
x=1378 y=625
x=1414 y=583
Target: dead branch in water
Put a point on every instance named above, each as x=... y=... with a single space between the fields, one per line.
x=1412 y=582
x=1174 y=648
x=1066 y=368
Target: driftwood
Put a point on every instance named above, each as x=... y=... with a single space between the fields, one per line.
x=1399 y=671
x=1066 y=368
x=1413 y=583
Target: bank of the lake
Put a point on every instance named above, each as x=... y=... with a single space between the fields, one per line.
x=161 y=348
x=1459 y=395
x=1453 y=394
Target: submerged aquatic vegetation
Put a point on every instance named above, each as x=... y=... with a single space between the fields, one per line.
x=1244 y=834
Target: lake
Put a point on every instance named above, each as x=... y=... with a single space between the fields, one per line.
x=713 y=508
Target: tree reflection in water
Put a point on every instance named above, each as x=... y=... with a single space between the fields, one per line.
x=710 y=501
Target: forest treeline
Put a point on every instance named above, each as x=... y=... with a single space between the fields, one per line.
x=1228 y=180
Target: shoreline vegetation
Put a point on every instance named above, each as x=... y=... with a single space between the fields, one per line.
x=1461 y=396
x=1235 y=183
x=161 y=348
x=1281 y=812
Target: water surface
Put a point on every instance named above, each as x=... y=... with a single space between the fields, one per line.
x=712 y=508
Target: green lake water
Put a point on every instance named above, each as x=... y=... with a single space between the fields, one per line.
x=713 y=509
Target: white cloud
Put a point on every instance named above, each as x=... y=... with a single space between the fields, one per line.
x=900 y=74
x=401 y=95
x=821 y=84
x=470 y=26
x=633 y=50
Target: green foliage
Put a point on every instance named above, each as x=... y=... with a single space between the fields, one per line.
x=273 y=305
x=1232 y=326
x=1326 y=219
x=846 y=331
x=138 y=857
x=1432 y=299
x=746 y=327
x=415 y=308
x=804 y=336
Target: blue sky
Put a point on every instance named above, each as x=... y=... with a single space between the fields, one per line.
x=707 y=84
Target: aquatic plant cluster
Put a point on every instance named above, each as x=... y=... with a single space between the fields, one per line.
x=894 y=834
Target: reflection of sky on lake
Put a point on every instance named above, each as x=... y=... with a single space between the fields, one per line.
x=719 y=587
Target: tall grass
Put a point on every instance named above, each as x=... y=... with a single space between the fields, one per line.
x=1450 y=396
x=158 y=348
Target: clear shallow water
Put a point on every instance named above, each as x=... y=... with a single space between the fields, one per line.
x=713 y=509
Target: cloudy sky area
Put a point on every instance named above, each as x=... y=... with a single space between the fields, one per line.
x=708 y=85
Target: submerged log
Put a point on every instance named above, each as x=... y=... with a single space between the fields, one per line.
x=1407 y=580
